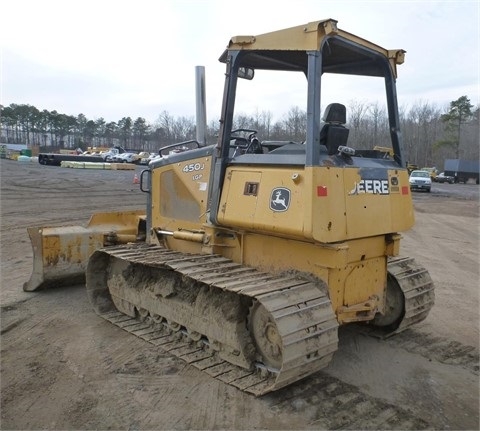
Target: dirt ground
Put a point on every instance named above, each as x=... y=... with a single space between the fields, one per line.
x=63 y=367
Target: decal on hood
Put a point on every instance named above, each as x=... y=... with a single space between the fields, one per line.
x=371 y=186
x=280 y=199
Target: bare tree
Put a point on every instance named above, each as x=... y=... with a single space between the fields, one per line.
x=295 y=124
x=357 y=111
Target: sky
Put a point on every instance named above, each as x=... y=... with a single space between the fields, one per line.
x=112 y=59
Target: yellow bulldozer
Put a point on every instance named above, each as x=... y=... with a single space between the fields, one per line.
x=251 y=253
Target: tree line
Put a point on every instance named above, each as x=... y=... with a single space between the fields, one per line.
x=430 y=134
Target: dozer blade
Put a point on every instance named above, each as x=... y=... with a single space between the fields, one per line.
x=60 y=254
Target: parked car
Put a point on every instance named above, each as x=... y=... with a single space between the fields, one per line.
x=146 y=160
x=442 y=178
x=126 y=158
x=109 y=156
x=420 y=180
x=142 y=156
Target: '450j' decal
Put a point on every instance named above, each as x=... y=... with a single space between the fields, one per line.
x=195 y=168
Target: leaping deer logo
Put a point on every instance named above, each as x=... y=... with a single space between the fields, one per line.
x=280 y=199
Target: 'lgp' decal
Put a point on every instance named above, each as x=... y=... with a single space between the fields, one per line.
x=280 y=199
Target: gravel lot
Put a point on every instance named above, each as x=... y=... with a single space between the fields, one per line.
x=63 y=367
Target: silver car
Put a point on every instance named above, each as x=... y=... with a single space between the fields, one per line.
x=420 y=180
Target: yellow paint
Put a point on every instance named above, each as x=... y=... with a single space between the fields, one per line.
x=61 y=253
x=339 y=224
x=179 y=195
x=310 y=36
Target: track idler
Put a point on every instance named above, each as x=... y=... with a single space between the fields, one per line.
x=409 y=298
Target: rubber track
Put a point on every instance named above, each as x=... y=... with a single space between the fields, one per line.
x=301 y=311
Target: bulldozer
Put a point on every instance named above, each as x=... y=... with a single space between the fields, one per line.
x=250 y=254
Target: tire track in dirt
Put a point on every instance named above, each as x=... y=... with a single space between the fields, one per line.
x=329 y=403
x=149 y=370
x=440 y=349
x=322 y=401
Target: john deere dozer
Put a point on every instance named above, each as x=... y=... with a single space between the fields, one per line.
x=251 y=253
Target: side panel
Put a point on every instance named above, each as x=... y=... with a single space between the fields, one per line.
x=179 y=194
x=321 y=204
x=266 y=199
x=353 y=202
x=401 y=204
x=355 y=271
x=379 y=201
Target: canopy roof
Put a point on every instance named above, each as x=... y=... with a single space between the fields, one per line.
x=287 y=50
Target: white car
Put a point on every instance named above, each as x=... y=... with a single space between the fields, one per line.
x=126 y=158
x=420 y=180
x=154 y=156
x=110 y=155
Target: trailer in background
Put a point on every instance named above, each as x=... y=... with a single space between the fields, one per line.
x=462 y=170
x=56 y=159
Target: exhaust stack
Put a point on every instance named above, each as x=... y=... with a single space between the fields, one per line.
x=200 y=102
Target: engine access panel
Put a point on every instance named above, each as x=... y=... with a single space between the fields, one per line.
x=324 y=204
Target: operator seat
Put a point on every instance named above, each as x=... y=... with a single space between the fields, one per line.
x=333 y=132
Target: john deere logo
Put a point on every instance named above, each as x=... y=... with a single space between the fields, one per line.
x=280 y=199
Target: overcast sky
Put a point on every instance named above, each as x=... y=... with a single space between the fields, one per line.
x=120 y=58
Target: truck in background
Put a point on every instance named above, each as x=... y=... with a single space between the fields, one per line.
x=432 y=171
x=462 y=170
x=411 y=167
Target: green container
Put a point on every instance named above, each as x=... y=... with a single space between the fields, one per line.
x=26 y=152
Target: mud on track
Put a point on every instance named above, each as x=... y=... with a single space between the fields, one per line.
x=63 y=367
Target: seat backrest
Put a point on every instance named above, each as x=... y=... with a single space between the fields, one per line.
x=334 y=133
x=335 y=113
x=335 y=136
